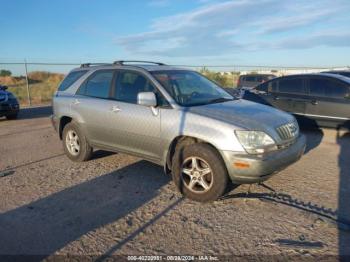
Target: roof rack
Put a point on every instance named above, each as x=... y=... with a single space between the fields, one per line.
x=93 y=64
x=119 y=62
x=122 y=62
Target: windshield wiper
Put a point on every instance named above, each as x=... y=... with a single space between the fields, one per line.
x=216 y=100
x=220 y=100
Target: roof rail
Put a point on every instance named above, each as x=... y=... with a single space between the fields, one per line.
x=122 y=62
x=92 y=64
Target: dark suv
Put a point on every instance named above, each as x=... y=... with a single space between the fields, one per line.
x=322 y=99
x=9 y=106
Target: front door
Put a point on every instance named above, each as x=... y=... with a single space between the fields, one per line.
x=289 y=95
x=135 y=128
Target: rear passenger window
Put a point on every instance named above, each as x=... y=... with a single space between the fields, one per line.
x=328 y=88
x=70 y=79
x=98 y=85
x=292 y=86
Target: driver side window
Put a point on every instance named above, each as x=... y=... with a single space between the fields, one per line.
x=130 y=83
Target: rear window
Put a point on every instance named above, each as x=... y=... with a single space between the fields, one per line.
x=292 y=86
x=70 y=79
x=249 y=79
x=262 y=78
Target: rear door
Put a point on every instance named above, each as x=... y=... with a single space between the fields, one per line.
x=329 y=99
x=92 y=105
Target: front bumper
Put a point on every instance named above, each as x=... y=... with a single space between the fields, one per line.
x=259 y=168
x=8 y=109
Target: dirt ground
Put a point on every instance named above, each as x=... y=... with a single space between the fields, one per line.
x=121 y=205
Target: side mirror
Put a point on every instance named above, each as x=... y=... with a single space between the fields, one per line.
x=147 y=99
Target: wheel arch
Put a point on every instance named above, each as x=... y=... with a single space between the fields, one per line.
x=177 y=143
x=64 y=120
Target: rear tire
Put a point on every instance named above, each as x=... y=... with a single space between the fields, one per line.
x=75 y=144
x=199 y=172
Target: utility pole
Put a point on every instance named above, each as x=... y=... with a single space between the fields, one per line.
x=27 y=80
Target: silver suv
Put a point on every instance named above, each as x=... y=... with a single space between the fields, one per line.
x=176 y=118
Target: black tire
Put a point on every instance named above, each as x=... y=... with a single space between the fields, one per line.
x=213 y=160
x=85 y=150
x=12 y=116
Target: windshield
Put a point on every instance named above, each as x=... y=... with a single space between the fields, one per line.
x=189 y=88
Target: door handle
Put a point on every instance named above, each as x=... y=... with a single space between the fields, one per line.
x=314 y=102
x=76 y=102
x=276 y=98
x=115 y=109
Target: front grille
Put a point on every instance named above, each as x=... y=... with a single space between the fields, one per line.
x=288 y=131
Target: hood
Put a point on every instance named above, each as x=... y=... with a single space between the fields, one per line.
x=244 y=114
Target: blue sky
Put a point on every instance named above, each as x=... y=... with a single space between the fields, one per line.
x=266 y=32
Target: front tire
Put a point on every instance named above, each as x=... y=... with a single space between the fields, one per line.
x=199 y=172
x=75 y=143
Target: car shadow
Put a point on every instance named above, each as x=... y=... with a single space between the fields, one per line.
x=102 y=154
x=46 y=225
x=96 y=155
x=343 y=140
x=314 y=136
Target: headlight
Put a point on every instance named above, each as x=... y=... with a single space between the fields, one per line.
x=255 y=142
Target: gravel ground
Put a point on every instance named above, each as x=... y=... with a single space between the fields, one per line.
x=121 y=205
